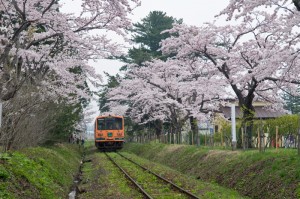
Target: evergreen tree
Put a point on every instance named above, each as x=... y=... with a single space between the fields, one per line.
x=292 y=103
x=111 y=83
x=147 y=34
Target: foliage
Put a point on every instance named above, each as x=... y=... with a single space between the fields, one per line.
x=287 y=124
x=39 y=172
x=292 y=102
x=147 y=34
x=112 y=82
x=43 y=43
x=251 y=58
x=138 y=56
x=149 y=31
x=44 y=66
x=65 y=120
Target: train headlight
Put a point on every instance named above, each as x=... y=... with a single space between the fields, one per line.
x=119 y=134
x=100 y=134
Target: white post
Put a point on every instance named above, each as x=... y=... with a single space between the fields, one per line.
x=233 y=126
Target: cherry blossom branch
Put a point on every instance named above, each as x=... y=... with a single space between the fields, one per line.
x=48 y=7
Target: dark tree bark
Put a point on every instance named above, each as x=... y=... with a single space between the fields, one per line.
x=195 y=130
x=158 y=125
x=248 y=111
x=247 y=124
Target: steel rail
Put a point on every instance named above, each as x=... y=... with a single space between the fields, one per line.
x=130 y=178
x=191 y=195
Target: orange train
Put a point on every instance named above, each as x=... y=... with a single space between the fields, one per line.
x=109 y=132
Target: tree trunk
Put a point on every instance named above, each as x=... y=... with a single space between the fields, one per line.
x=195 y=130
x=158 y=125
x=247 y=124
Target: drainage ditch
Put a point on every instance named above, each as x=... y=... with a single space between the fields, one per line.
x=74 y=190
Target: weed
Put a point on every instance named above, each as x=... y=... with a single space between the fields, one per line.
x=4 y=174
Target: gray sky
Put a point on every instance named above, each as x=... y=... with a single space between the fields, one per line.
x=193 y=12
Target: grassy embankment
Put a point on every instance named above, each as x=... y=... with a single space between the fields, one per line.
x=40 y=172
x=258 y=175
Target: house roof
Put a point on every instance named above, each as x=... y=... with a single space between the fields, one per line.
x=260 y=112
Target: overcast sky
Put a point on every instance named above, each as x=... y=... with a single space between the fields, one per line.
x=193 y=12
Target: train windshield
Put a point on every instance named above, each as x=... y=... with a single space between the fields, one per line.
x=111 y=123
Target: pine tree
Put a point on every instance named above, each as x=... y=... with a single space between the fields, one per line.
x=292 y=103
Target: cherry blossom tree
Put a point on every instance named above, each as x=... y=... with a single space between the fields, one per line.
x=239 y=8
x=283 y=15
x=44 y=48
x=37 y=39
x=168 y=91
x=254 y=60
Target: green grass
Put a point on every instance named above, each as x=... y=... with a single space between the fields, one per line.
x=101 y=179
x=202 y=189
x=259 y=175
x=38 y=172
x=150 y=183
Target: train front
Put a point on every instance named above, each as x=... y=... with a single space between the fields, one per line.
x=109 y=132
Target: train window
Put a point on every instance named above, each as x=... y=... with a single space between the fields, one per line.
x=110 y=123
x=118 y=123
x=101 y=123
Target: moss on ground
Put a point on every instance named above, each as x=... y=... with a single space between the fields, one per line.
x=39 y=172
x=258 y=175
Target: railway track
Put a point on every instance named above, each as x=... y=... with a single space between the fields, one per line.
x=151 y=185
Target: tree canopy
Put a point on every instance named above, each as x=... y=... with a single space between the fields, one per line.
x=256 y=59
x=44 y=56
